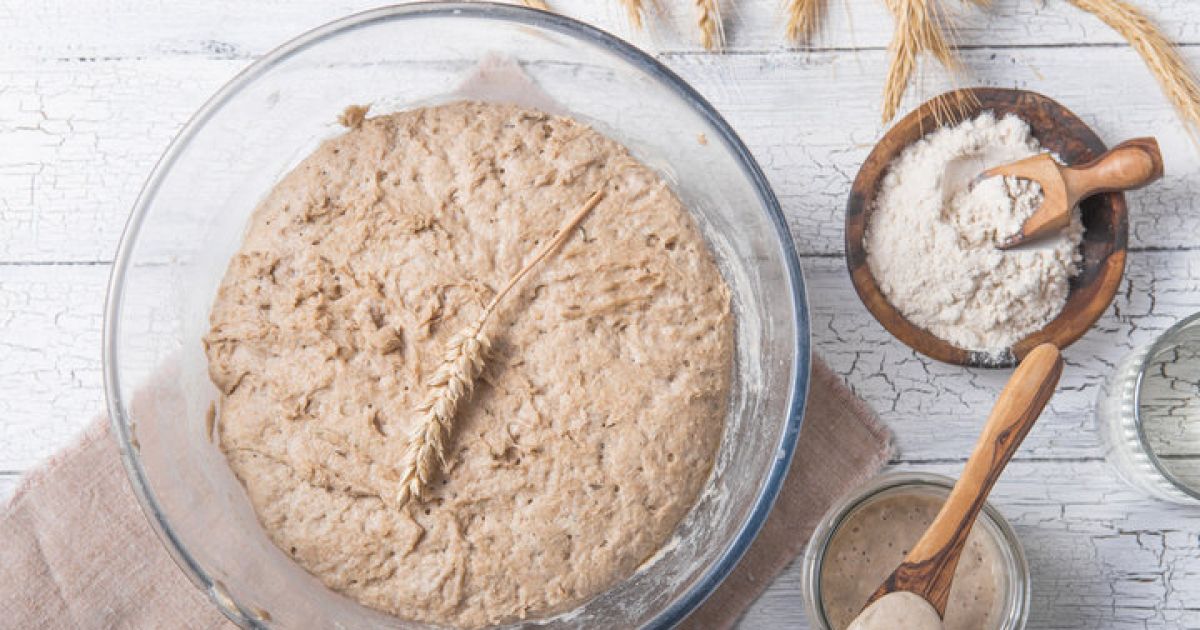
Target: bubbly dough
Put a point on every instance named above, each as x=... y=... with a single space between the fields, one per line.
x=875 y=538
x=594 y=424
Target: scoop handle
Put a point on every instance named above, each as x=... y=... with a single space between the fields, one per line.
x=928 y=570
x=1129 y=165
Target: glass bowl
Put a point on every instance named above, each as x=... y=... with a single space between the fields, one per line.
x=1147 y=412
x=190 y=218
x=1015 y=608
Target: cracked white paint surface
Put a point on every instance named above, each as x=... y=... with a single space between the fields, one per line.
x=91 y=93
x=81 y=136
x=237 y=29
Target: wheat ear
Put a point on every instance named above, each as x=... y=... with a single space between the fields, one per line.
x=1177 y=81
x=803 y=19
x=425 y=453
x=634 y=9
x=708 y=18
x=919 y=29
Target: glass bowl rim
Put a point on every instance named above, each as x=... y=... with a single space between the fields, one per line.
x=707 y=582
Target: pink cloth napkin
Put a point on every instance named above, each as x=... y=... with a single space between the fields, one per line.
x=77 y=552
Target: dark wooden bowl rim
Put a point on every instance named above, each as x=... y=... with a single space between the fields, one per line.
x=1105 y=219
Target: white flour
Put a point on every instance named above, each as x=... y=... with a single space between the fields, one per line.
x=931 y=242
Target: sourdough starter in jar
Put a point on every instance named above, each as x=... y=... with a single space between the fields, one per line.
x=874 y=539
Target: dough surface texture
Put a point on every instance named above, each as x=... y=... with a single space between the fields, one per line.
x=597 y=416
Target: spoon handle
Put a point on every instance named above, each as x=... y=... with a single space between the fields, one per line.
x=1129 y=165
x=928 y=570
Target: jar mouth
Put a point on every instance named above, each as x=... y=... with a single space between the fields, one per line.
x=1015 y=610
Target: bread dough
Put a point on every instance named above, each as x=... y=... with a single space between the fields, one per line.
x=594 y=423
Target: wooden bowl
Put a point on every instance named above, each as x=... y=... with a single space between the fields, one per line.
x=1105 y=220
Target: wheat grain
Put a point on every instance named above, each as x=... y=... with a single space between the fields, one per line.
x=634 y=9
x=1177 y=81
x=803 y=19
x=536 y=4
x=919 y=29
x=425 y=452
x=708 y=18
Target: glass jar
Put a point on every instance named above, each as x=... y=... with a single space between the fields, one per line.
x=1016 y=590
x=1148 y=415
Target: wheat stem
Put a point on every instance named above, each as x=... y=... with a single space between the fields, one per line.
x=425 y=452
x=803 y=19
x=1177 y=81
x=634 y=9
x=708 y=18
x=919 y=29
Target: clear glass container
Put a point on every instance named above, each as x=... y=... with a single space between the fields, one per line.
x=1015 y=606
x=190 y=219
x=1148 y=415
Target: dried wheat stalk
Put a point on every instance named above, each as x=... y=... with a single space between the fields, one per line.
x=708 y=18
x=425 y=452
x=634 y=9
x=1177 y=81
x=803 y=19
x=920 y=28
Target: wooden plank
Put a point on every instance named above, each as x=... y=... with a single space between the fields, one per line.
x=1101 y=555
x=8 y=483
x=50 y=379
x=81 y=137
x=224 y=29
x=78 y=141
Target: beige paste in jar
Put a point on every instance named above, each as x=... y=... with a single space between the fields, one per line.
x=874 y=539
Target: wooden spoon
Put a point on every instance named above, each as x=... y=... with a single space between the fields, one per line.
x=929 y=568
x=1127 y=166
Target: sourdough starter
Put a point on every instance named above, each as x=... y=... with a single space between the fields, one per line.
x=594 y=423
x=874 y=539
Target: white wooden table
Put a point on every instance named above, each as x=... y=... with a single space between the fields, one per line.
x=92 y=92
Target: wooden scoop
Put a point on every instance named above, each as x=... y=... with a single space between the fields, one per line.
x=929 y=568
x=1129 y=165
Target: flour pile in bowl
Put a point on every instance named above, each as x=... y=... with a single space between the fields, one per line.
x=932 y=237
x=595 y=421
